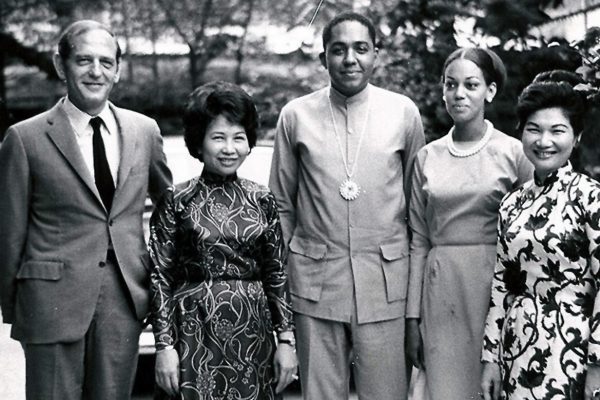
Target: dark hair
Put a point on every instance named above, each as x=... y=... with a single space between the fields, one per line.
x=65 y=43
x=489 y=63
x=348 y=16
x=559 y=75
x=209 y=101
x=553 y=89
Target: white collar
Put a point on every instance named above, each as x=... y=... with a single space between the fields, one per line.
x=339 y=99
x=80 y=119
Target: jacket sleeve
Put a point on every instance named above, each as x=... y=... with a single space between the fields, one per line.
x=415 y=140
x=271 y=259
x=283 y=180
x=15 y=186
x=160 y=175
x=419 y=244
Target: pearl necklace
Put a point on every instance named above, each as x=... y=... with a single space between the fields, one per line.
x=349 y=189
x=456 y=152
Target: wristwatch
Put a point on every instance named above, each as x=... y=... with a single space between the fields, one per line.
x=290 y=342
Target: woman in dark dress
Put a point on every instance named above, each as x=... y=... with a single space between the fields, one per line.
x=219 y=285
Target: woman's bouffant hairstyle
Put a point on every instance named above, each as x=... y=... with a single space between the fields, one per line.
x=209 y=101
x=489 y=63
x=554 y=89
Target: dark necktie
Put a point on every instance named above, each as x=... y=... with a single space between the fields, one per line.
x=103 y=177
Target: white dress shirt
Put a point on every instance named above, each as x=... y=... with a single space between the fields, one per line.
x=80 y=121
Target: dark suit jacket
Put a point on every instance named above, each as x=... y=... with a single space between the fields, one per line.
x=55 y=231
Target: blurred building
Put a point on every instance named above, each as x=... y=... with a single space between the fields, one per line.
x=570 y=20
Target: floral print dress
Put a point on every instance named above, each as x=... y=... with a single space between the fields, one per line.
x=219 y=285
x=543 y=326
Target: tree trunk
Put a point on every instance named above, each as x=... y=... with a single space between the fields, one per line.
x=154 y=39
x=65 y=11
x=200 y=65
x=127 y=34
x=194 y=74
x=240 y=50
x=3 y=100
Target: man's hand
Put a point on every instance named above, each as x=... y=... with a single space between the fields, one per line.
x=414 y=343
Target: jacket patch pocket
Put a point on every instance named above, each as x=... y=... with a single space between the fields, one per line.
x=45 y=270
x=306 y=261
x=394 y=261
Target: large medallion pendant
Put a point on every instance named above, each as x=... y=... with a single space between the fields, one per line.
x=349 y=189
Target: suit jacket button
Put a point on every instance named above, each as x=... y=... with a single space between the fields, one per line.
x=101 y=264
x=110 y=223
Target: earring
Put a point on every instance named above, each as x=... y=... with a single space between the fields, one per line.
x=444 y=98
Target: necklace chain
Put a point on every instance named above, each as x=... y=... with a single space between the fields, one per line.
x=360 y=140
x=456 y=152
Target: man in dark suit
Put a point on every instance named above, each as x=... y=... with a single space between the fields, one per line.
x=74 y=269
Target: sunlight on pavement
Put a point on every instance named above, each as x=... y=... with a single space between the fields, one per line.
x=12 y=370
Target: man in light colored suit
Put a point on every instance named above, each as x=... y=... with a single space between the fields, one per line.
x=74 y=269
x=341 y=171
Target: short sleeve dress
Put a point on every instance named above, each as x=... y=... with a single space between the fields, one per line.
x=453 y=218
x=219 y=285
x=543 y=326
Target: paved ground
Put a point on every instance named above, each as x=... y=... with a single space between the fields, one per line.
x=12 y=366
x=12 y=373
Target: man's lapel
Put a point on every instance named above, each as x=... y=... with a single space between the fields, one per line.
x=61 y=133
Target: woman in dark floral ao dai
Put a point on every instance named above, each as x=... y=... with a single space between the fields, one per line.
x=219 y=286
x=542 y=336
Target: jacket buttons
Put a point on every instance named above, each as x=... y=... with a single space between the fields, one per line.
x=111 y=222
x=101 y=264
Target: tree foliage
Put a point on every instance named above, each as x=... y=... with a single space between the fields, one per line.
x=422 y=33
x=415 y=37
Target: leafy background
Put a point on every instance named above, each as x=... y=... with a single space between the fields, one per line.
x=217 y=39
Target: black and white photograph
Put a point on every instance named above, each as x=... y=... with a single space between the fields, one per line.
x=299 y=199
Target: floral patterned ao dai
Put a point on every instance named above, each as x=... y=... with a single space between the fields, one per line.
x=219 y=285
x=544 y=323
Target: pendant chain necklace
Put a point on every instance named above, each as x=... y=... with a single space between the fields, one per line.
x=349 y=189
